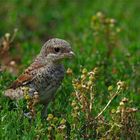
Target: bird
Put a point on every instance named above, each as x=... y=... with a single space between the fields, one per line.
x=45 y=75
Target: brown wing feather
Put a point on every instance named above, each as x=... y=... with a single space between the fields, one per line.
x=27 y=76
x=21 y=80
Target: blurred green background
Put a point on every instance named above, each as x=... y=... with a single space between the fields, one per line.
x=37 y=21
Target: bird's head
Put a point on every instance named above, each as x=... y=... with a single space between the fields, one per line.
x=55 y=50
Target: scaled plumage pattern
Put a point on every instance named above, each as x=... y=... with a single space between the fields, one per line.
x=45 y=74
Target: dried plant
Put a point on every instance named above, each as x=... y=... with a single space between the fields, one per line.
x=6 y=60
x=6 y=41
x=86 y=124
x=56 y=127
x=105 y=30
x=31 y=101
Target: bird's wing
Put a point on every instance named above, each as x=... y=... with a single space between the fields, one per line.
x=28 y=75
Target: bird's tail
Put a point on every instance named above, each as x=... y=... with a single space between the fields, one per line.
x=14 y=93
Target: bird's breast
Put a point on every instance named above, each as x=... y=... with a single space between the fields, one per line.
x=48 y=81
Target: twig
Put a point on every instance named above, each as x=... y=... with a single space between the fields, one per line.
x=115 y=95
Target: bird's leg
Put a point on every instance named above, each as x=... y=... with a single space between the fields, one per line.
x=45 y=110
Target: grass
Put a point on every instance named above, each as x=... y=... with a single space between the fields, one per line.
x=111 y=47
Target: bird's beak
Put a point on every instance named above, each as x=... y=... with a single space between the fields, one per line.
x=71 y=54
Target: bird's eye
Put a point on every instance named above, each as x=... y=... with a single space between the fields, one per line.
x=57 y=49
